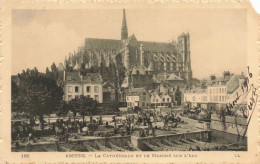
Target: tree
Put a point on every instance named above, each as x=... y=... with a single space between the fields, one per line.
x=63 y=110
x=82 y=105
x=82 y=69
x=54 y=72
x=40 y=94
x=47 y=72
x=103 y=68
x=73 y=108
x=87 y=106
x=121 y=70
x=17 y=101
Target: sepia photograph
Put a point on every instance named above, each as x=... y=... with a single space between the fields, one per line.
x=117 y=80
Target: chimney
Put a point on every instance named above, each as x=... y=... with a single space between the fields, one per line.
x=212 y=77
x=81 y=78
x=226 y=73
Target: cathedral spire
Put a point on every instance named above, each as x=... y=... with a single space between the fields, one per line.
x=124 y=31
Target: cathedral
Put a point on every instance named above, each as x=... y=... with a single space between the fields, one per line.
x=156 y=57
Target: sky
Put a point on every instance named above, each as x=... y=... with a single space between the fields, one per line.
x=217 y=36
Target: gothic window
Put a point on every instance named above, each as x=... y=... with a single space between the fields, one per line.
x=168 y=59
x=162 y=66
x=155 y=66
x=168 y=66
x=159 y=65
x=162 y=58
x=173 y=58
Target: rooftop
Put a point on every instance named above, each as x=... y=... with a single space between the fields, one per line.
x=105 y=44
x=136 y=91
x=196 y=90
x=88 y=78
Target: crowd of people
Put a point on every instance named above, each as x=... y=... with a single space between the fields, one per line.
x=144 y=123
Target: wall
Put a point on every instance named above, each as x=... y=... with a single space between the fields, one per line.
x=217 y=94
x=92 y=93
x=199 y=135
x=195 y=97
x=228 y=124
x=73 y=93
x=83 y=91
x=41 y=147
x=228 y=138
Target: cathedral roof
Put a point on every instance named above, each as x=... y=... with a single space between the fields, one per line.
x=111 y=44
x=95 y=43
x=131 y=38
x=152 y=46
x=158 y=46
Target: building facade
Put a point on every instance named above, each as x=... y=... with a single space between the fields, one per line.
x=89 y=85
x=196 y=97
x=156 y=100
x=138 y=97
x=219 y=92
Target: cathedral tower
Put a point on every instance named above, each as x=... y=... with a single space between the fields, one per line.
x=124 y=30
x=184 y=49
